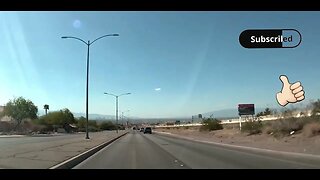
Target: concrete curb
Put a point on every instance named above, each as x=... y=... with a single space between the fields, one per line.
x=12 y=136
x=251 y=149
x=70 y=163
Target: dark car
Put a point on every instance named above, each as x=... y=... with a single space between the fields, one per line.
x=147 y=130
x=142 y=129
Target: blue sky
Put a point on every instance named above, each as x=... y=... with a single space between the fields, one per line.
x=173 y=63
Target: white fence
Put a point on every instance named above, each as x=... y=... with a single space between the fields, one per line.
x=230 y=121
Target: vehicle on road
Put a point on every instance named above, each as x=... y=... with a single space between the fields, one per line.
x=142 y=130
x=147 y=130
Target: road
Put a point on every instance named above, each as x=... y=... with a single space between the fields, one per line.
x=154 y=151
x=133 y=151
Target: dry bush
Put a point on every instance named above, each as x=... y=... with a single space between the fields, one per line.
x=285 y=126
x=311 y=129
x=211 y=125
x=252 y=127
x=6 y=127
x=267 y=129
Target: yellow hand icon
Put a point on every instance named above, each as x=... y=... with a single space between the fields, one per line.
x=290 y=93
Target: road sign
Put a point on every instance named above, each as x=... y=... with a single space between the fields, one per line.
x=246 y=109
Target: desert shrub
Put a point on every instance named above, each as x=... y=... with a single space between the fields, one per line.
x=46 y=129
x=311 y=129
x=252 y=127
x=211 y=125
x=108 y=126
x=30 y=126
x=284 y=127
x=93 y=129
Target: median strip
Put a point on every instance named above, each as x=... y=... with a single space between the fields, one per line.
x=70 y=163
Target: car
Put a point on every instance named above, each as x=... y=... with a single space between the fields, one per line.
x=134 y=128
x=147 y=130
x=142 y=130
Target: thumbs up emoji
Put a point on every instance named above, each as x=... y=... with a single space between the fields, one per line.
x=290 y=93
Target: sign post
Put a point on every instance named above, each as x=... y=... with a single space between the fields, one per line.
x=245 y=109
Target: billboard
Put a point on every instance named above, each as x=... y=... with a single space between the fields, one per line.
x=246 y=109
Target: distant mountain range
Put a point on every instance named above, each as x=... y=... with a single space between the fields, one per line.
x=99 y=116
x=91 y=116
x=95 y=116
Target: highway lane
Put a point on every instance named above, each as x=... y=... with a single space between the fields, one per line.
x=133 y=151
x=137 y=150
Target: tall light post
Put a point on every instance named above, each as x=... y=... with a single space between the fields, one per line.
x=122 y=114
x=125 y=117
x=87 y=84
x=117 y=96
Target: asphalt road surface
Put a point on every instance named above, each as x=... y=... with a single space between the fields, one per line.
x=152 y=151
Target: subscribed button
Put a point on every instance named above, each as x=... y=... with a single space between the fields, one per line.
x=272 y=38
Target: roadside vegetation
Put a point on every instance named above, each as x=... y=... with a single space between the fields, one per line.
x=252 y=127
x=307 y=125
x=211 y=124
x=287 y=124
x=21 y=117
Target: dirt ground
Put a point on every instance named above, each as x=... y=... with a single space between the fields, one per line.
x=293 y=143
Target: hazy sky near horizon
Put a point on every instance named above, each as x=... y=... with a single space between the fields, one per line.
x=173 y=63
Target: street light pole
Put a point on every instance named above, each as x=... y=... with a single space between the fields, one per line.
x=87 y=93
x=123 y=118
x=87 y=83
x=117 y=96
x=117 y=112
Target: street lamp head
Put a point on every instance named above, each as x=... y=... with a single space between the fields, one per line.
x=128 y=93
x=64 y=37
x=115 y=34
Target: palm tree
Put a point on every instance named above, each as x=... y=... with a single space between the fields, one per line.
x=46 y=108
